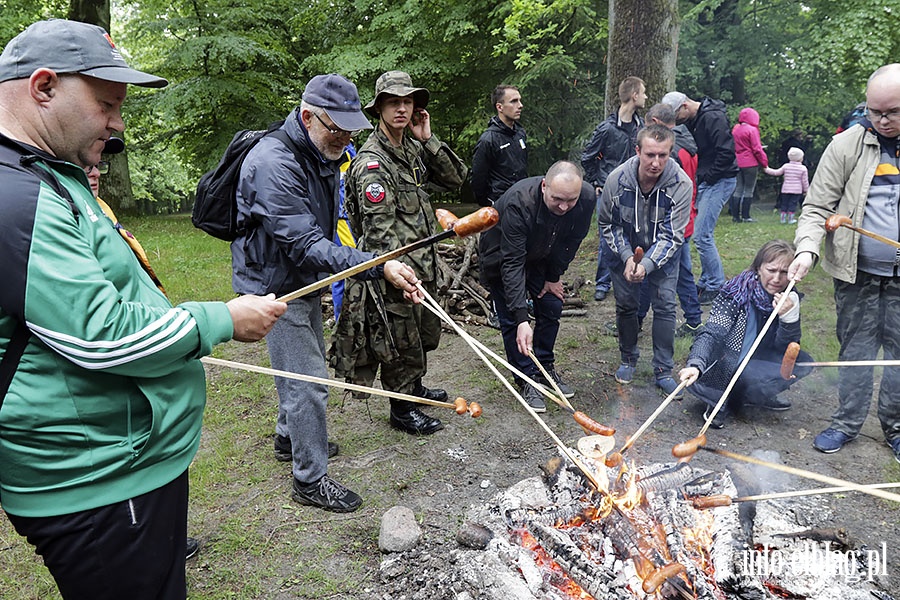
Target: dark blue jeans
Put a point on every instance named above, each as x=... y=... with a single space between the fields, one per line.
x=685 y=288
x=547 y=311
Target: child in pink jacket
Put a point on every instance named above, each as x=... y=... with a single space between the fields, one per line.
x=796 y=182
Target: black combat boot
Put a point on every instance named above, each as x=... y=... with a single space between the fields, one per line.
x=405 y=416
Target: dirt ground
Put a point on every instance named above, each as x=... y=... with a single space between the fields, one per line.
x=439 y=477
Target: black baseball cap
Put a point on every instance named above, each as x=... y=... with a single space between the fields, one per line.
x=70 y=47
x=340 y=100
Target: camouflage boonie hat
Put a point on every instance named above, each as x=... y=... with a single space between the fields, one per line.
x=397 y=83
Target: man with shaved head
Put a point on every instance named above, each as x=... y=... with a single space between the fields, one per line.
x=859 y=176
x=542 y=223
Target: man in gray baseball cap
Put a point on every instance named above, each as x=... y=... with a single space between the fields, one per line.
x=70 y=47
x=101 y=383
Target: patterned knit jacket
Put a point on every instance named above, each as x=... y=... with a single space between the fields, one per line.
x=723 y=339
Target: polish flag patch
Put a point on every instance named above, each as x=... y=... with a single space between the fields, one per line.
x=374 y=193
x=373 y=164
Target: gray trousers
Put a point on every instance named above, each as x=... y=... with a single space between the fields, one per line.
x=661 y=286
x=868 y=318
x=297 y=345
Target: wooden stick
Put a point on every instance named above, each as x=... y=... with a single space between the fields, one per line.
x=562 y=397
x=481 y=220
x=835 y=221
x=329 y=382
x=806 y=474
x=631 y=440
x=851 y=363
x=365 y=266
x=740 y=369
x=559 y=443
x=813 y=492
x=502 y=361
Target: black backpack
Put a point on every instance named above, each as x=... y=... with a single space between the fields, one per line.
x=215 y=206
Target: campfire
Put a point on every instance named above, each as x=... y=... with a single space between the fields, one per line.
x=558 y=537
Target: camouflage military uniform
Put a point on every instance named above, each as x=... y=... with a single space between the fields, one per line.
x=389 y=208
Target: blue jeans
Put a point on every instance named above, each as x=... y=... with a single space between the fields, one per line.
x=710 y=200
x=602 y=281
x=685 y=288
x=547 y=311
x=661 y=284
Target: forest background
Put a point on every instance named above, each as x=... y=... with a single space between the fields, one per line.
x=242 y=65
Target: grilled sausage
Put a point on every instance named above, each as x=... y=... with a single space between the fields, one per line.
x=588 y=424
x=689 y=448
x=460 y=405
x=614 y=460
x=480 y=220
x=638 y=257
x=475 y=409
x=659 y=576
x=833 y=222
x=446 y=218
x=790 y=358
x=702 y=502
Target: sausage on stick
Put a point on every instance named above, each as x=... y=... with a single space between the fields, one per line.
x=789 y=360
x=833 y=222
x=480 y=220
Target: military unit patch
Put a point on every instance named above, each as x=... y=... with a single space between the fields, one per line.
x=373 y=164
x=375 y=192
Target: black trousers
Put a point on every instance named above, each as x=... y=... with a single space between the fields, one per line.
x=132 y=549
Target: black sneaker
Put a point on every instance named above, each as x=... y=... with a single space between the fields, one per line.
x=567 y=390
x=534 y=399
x=193 y=546
x=687 y=329
x=283 y=449
x=327 y=494
x=770 y=403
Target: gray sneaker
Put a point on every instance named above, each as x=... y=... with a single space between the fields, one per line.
x=567 y=390
x=534 y=399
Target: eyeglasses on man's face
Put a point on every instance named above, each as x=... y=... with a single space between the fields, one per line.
x=877 y=115
x=334 y=130
x=102 y=166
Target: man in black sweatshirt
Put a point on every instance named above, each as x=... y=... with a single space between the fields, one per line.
x=716 y=178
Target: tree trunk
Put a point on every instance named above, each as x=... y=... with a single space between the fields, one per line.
x=643 y=42
x=115 y=187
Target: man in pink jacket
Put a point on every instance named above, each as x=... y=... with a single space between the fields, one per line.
x=750 y=157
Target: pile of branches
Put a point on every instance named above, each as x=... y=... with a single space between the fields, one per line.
x=466 y=300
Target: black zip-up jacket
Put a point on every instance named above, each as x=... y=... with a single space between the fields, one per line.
x=610 y=146
x=715 y=145
x=531 y=238
x=500 y=160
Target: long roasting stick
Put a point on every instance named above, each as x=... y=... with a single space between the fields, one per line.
x=813 y=492
x=740 y=369
x=329 y=382
x=807 y=474
x=559 y=443
x=851 y=363
x=562 y=397
x=835 y=221
x=480 y=220
x=631 y=440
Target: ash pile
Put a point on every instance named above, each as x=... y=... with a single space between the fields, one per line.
x=554 y=538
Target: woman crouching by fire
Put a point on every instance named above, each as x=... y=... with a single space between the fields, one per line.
x=737 y=316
